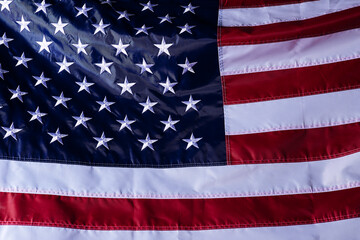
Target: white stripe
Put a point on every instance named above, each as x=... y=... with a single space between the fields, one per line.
x=282 y=13
x=296 y=53
x=196 y=182
x=314 y=111
x=345 y=229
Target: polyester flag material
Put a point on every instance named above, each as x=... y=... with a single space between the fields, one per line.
x=181 y=119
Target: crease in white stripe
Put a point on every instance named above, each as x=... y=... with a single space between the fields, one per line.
x=282 y=13
x=314 y=111
x=335 y=47
x=343 y=229
x=187 y=183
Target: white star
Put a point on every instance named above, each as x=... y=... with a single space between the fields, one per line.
x=169 y=124
x=80 y=47
x=102 y=141
x=168 y=86
x=187 y=66
x=105 y=104
x=11 y=131
x=64 y=65
x=17 y=93
x=148 y=105
x=124 y=14
x=42 y=6
x=185 y=28
x=41 y=80
x=189 y=8
x=104 y=66
x=44 y=45
x=100 y=27
x=125 y=123
x=143 y=29
x=145 y=67
x=61 y=100
x=191 y=103
x=22 y=60
x=57 y=136
x=59 y=26
x=192 y=141
x=37 y=115
x=83 y=10
x=2 y=71
x=120 y=48
x=5 y=4
x=81 y=120
x=148 y=6
x=23 y=24
x=147 y=142
x=166 y=18
x=4 y=40
x=126 y=86
x=163 y=47
x=84 y=85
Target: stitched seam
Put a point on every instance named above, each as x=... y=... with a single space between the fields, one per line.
x=306 y=93
x=227 y=147
x=294 y=127
x=221 y=57
x=307 y=190
x=178 y=227
x=280 y=67
x=227 y=139
x=290 y=19
x=325 y=157
x=268 y=4
x=227 y=142
x=228 y=157
x=230 y=42
x=66 y=161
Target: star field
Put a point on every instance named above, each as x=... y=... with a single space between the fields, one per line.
x=124 y=83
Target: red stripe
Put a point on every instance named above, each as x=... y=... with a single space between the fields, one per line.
x=258 y=3
x=262 y=86
x=177 y=214
x=326 y=24
x=294 y=145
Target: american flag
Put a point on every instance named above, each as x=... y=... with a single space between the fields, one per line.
x=179 y=119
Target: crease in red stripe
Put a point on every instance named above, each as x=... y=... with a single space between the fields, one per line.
x=295 y=145
x=177 y=214
x=258 y=3
x=271 y=85
x=284 y=31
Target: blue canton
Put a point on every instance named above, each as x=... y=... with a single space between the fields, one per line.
x=111 y=83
